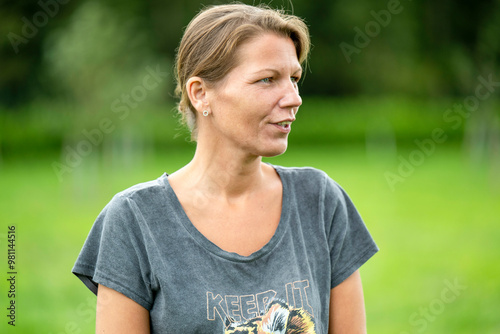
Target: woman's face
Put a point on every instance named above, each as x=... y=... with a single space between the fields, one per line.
x=254 y=105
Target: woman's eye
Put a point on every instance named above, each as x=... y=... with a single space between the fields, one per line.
x=295 y=79
x=266 y=80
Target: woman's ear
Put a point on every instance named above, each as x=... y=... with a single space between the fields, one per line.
x=197 y=93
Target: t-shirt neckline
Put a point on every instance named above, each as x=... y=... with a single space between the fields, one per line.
x=204 y=242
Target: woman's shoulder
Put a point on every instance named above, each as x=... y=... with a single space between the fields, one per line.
x=143 y=200
x=310 y=179
x=302 y=174
x=144 y=192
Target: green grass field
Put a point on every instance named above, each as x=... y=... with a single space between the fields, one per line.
x=438 y=228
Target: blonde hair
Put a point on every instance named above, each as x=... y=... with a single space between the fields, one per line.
x=208 y=47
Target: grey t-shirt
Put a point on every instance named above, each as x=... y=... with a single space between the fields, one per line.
x=144 y=246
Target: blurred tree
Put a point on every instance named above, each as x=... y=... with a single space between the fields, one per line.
x=482 y=132
x=101 y=55
x=24 y=25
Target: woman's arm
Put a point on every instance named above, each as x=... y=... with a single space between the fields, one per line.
x=117 y=313
x=347 y=307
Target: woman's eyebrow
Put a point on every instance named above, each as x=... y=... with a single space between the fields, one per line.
x=277 y=72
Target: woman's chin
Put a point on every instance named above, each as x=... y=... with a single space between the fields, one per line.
x=275 y=150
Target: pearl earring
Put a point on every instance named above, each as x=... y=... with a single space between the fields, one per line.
x=205 y=113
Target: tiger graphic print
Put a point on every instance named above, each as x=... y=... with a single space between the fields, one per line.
x=278 y=318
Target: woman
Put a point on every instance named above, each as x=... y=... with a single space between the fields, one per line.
x=229 y=244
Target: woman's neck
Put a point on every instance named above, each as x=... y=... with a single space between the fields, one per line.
x=223 y=172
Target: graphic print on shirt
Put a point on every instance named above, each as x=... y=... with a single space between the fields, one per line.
x=278 y=319
x=264 y=312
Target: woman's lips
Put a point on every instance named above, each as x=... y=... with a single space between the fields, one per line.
x=284 y=127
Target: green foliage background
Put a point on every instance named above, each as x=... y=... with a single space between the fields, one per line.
x=369 y=119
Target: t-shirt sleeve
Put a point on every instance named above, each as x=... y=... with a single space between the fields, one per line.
x=115 y=255
x=351 y=245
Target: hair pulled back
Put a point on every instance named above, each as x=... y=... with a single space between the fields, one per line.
x=210 y=41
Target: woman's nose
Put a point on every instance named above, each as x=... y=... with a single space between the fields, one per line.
x=291 y=98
